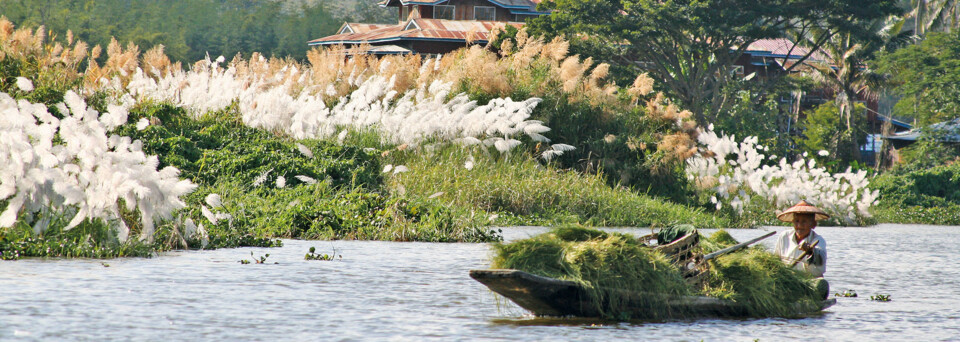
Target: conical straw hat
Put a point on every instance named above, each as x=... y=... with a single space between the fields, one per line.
x=802 y=208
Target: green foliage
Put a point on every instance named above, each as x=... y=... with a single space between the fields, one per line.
x=519 y=185
x=90 y=239
x=312 y=255
x=606 y=261
x=761 y=282
x=687 y=44
x=925 y=196
x=823 y=130
x=219 y=146
x=189 y=30
x=319 y=211
x=925 y=75
x=929 y=151
x=937 y=186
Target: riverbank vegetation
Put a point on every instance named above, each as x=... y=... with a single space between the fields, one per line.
x=262 y=149
x=163 y=148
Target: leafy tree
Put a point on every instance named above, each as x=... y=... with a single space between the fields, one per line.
x=933 y=15
x=691 y=45
x=189 y=30
x=823 y=130
x=927 y=76
x=846 y=71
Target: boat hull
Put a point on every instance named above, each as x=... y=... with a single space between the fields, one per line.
x=546 y=296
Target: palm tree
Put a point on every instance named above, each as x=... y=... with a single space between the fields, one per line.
x=933 y=15
x=844 y=68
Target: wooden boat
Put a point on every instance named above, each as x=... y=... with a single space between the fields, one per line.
x=545 y=296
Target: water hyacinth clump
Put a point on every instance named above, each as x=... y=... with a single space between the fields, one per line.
x=70 y=163
x=740 y=176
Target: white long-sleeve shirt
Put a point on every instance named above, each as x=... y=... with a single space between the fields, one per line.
x=788 y=248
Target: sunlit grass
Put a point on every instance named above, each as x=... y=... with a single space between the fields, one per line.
x=520 y=186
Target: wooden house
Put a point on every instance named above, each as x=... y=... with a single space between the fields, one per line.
x=433 y=27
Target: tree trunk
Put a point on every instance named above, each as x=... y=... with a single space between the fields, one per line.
x=848 y=107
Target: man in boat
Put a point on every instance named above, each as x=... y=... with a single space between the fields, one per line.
x=801 y=247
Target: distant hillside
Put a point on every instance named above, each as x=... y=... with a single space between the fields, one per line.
x=191 y=30
x=366 y=11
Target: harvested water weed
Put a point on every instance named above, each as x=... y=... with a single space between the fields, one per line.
x=880 y=297
x=610 y=263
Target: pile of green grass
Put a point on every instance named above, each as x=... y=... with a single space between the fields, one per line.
x=601 y=261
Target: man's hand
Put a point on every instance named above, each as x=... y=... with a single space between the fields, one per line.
x=806 y=248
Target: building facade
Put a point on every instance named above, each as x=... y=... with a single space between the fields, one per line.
x=433 y=27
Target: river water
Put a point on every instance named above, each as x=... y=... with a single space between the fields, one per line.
x=421 y=291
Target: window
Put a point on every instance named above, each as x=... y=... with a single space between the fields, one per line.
x=406 y=13
x=443 y=12
x=488 y=13
x=737 y=70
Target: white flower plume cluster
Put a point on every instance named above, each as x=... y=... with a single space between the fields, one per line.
x=86 y=171
x=265 y=101
x=737 y=173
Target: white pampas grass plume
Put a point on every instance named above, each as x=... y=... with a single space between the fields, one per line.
x=435 y=195
x=549 y=154
x=208 y=214
x=304 y=150
x=220 y=59
x=261 y=178
x=213 y=200
x=400 y=169
x=189 y=228
x=387 y=168
x=469 y=163
x=281 y=182
x=341 y=136
x=823 y=153
x=204 y=238
x=563 y=147
x=24 y=84
x=306 y=179
x=470 y=141
x=505 y=145
x=142 y=124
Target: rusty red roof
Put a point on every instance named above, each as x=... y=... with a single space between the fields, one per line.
x=360 y=27
x=781 y=48
x=420 y=29
x=514 y=4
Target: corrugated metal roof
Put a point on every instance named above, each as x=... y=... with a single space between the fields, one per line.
x=419 y=29
x=362 y=27
x=781 y=47
x=515 y=4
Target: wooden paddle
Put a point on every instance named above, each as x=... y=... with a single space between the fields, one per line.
x=735 y=247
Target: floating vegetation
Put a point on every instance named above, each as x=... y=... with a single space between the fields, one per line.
x=258 y=260
x=880 y=297
x=611 y=264
x=323 y=257
x=847 y=293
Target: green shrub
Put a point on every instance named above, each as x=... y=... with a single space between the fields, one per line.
x=219 y=147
